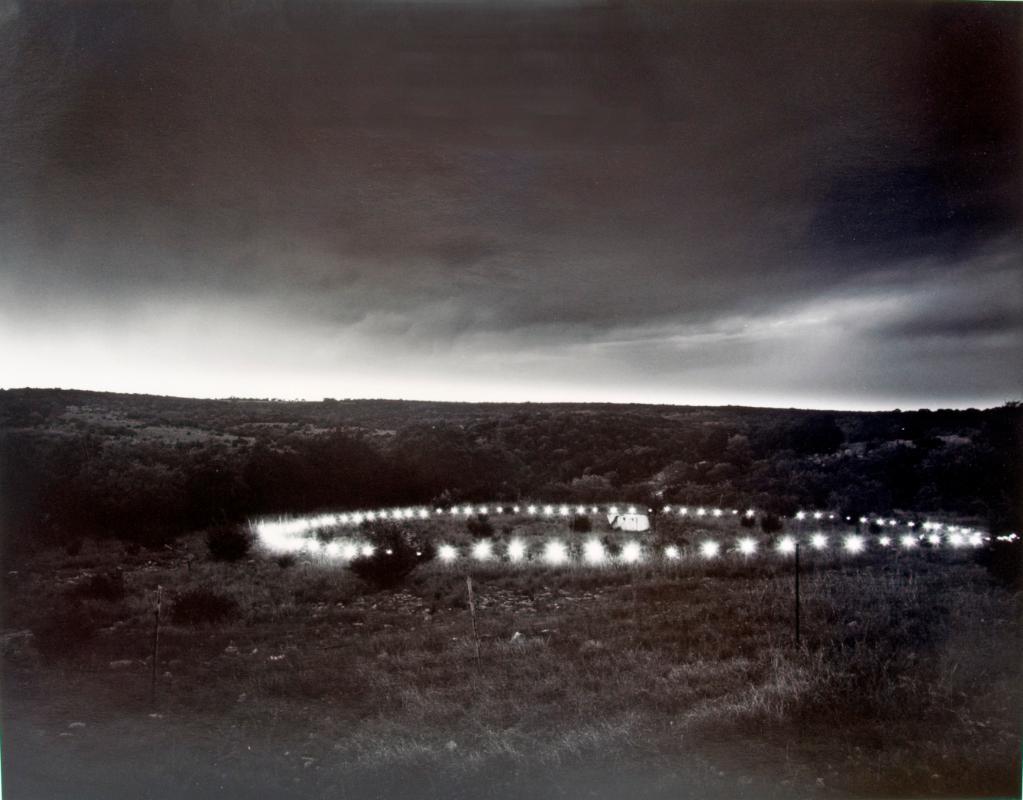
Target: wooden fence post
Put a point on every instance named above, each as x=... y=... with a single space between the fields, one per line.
x=472 y=613
x=156 y=644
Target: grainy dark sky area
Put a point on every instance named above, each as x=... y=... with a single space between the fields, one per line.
x=797 y=204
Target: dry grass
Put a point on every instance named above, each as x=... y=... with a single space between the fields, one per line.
x=906 y=682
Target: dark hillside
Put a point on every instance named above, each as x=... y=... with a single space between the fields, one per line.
x=146 y=468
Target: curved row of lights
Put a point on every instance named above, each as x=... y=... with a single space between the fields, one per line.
x=270 y=531
x=593 y=552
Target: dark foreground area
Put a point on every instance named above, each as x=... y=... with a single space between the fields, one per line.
x=650 y=681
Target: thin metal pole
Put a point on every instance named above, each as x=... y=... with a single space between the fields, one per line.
x=156 y=644
x=472 y=613
x=797 y=593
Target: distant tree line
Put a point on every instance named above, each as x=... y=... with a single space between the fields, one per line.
x=76 y=465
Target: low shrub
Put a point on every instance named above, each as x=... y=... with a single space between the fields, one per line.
x=479 y=526
x=202 y=606
x=228 y=542
x=103 y=586
x=581 y=524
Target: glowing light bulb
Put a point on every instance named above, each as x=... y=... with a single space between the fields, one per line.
x=683 y=511
x=907 y=542
x=818 y=515
x=750 y=513
x=701 y=512
x=884 y=541
x=818 y=541
x=934 y=539
x=516 y=550
x=800 y=515
x=631 y=553
x=717 y=512
x=548 y=510
x=555 y=553
x=786 y=545
x=747 y=546
x=482 y=550
x=710 y=549
x=853 y=544
x=593 y=552
x=447 y=553
x=671 y=553
x=632 y=509
x=531 y=509
x=367 y=550
x=956 y=540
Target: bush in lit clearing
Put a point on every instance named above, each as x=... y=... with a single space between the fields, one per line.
x=396 y=551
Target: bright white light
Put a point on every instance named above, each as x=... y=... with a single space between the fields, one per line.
x=818 y=541
x=516 y=550
x=423 y=513
x=593 y=552
x=911 y=524
x=555 y=553
x=786 y=545
x=632 y=509
x=548 y=510
x=467 y=510
x=863 y=520
x=447 y=553
x=332 y=550
x=593 y=509
x=349 y=551
x=710 y=549
x=531 y=509
x=483 y=550
x=483 y=509
x=631 y=553
x=934 y=539
x=666 y=509
x=580 y=510
x=671 y=553
x=956 y=539
x=884 y=541
x=367 y=550
x=716 y=512
x=750 y=513
x=818 y=515
x=613 y=510
x=683 y=511
x=854 y=544
x=701 y=512
x=563 y=511
x=907 y=542
x=892 y=523
x=515 y=509
x=389 y=552
x=747 y=546
x=800 y=515
x=976 y=540
x=370 y=515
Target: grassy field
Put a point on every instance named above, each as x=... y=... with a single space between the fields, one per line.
x=654 y=680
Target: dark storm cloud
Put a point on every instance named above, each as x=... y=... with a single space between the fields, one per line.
x=660 y=190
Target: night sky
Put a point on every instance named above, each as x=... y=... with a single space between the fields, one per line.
x=796 y=204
